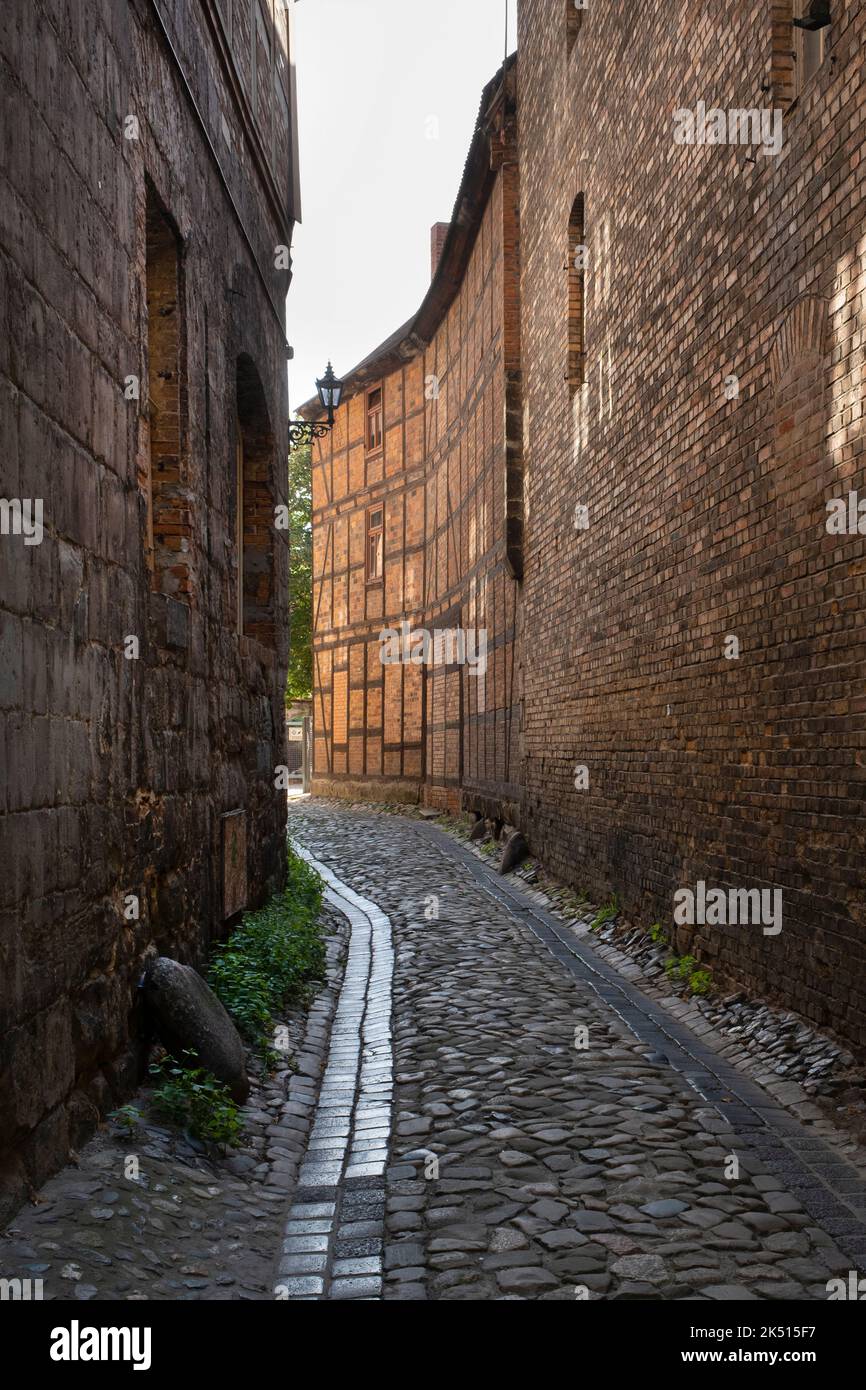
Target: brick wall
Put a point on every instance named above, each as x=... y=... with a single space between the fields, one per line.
x=706 y=509
x=628 y=467
x=117 y=772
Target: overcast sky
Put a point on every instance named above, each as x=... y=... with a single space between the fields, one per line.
x=388 y=92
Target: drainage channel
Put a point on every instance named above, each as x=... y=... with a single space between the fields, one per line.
x=828 y=1188
x=332 y=1247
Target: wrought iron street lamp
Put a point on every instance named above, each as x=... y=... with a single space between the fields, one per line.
x=330 y=390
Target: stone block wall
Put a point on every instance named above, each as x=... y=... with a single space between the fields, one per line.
x=142 y=348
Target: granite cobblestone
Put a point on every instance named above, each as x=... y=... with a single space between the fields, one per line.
x=523 y=1166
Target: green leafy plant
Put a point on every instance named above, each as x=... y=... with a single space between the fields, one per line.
x=128 y=1117
x=680 y=967
x=193 y=1098
x=244 y=990
x=657 y=934
x=701 y=982
x=273 y=958
x=605 y=914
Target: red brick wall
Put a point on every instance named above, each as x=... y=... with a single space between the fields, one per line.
x=438 y=233
x=706 y=514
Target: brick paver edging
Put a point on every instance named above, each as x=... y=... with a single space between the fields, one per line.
x=831 y=1190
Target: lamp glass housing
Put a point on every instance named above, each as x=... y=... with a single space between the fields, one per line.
x=330 y=390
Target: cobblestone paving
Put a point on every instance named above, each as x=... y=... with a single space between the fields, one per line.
x=524 y=1166
x=150 y=1215
x=187 y=1227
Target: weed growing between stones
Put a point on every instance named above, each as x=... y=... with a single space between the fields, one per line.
x=682 y=970
x=701 y=982
x=193 y=1098
x=272 y=959
x=128 y=1117
x=605 y=914
x=680 y=967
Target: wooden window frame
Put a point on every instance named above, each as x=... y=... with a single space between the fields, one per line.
x=368 y=447
x=369 y=533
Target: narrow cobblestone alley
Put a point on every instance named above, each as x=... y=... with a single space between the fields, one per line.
x=523 y=1163
x=432 y=670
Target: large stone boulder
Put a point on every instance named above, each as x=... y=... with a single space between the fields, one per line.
x=515 y=851
x=189 y=1015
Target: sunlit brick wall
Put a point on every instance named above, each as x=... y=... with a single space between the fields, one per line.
x=441 y=733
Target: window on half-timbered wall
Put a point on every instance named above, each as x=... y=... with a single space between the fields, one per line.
x=375 y=544
x=374 y=419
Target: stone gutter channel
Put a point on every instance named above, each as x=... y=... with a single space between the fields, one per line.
x=830 y=1189
x=332 y=1246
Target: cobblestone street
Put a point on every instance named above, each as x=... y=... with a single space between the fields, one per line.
x=147 y=1213
x=475 y=1107
x=523 y=1165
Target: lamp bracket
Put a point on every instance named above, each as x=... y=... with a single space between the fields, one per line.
x=305 y=431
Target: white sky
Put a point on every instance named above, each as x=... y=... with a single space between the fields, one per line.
x=371 y=74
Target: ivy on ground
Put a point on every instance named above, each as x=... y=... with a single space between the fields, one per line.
x=192 y=1098
x=271 y=961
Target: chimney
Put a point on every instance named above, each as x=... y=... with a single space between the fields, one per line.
x=438 y=233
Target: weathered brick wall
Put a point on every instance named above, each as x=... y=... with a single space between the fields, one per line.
x=401 y=731
x=116 y=771
x=706 y=513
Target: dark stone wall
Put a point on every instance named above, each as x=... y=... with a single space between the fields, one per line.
x=115 y=771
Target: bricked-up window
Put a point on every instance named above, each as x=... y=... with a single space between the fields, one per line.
x=375 y=544
x=256 y=465
x=576 y=297
x=573 y=16
x=169 y=528
x=374 y=419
